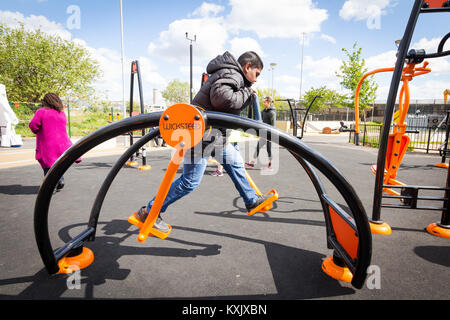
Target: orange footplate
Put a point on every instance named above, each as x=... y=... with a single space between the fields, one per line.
x=266 y=205
x=153 y=232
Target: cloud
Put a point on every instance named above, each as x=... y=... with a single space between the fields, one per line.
x=431 y=45
x=211 y=36
x=328 y=38
x=207 y=10
x=110 y=84
x=363 y=9
x=428 y=89
x=383 y=60
x=32 y=22
x=283 y=19
x=240 y=45
x=323 y=68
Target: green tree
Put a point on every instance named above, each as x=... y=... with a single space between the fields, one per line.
x=33 y=63
x=351 y=72
x=176 y=92
x=329 y=98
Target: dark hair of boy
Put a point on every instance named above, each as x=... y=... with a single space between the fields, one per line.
x=253 y=58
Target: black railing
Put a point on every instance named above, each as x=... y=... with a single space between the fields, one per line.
x=425 y=138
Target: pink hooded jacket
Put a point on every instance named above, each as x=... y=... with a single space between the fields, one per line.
x=52 y=140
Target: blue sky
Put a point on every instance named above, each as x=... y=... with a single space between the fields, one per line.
x=154 y=34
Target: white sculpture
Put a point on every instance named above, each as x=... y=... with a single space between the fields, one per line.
x=8 y=119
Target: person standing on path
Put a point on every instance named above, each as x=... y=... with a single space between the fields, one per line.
x=269 y=116
x=49 y=126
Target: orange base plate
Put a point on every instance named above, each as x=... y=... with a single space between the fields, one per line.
x=438 y=231
x=335 y=271
x=81 y=261
x=380 y=228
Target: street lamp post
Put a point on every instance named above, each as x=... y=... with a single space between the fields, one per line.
x=301 y=67
x=190 y=63
x=272 y=65
x=124 y=108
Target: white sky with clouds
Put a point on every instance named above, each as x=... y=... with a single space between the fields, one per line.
x=155 y=35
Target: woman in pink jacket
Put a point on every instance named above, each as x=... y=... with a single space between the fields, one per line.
x=49 y=125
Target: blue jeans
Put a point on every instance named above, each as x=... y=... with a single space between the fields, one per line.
x=193 y=170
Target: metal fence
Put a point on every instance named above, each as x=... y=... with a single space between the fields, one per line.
x=428 y=138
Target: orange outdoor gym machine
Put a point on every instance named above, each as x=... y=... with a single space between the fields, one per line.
x=182 y=127
x=398 y=140
x=393 y=145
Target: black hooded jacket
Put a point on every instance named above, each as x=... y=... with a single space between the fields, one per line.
x=227 y=89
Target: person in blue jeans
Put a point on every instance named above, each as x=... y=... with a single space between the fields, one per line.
x=228 y=89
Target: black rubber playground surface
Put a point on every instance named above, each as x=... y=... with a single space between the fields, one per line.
x=215 y=250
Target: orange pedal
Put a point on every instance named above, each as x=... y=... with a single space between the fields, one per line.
x=266 y=205
x=131 y=163
x=153 y=232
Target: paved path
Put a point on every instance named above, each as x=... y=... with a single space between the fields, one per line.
x=215 y=250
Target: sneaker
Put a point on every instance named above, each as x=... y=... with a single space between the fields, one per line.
x=159 y=224
x=268 y=168
x=217 y=173
x=258 y=201
x=250 y=164
x=59 y=186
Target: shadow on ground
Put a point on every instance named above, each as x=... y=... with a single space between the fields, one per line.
x=300 y=282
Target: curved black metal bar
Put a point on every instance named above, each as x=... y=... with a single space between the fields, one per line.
x=96 y=207
x=389 y=111
x=215 y=119
x=318 y=185
x=306 y=114
x=58 y=169
x=323 y=165
x=442 y=42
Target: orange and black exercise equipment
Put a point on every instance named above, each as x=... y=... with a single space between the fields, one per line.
x=181 y=126
x=345 y=238
x=398 y=141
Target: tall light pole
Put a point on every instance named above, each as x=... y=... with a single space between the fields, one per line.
x=272 y=65
x=190 y=63
x=301 y=66
x=124 y=108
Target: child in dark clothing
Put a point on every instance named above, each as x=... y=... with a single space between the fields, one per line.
x=269 y=116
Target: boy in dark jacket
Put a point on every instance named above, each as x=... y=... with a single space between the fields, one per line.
x=226 y=90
